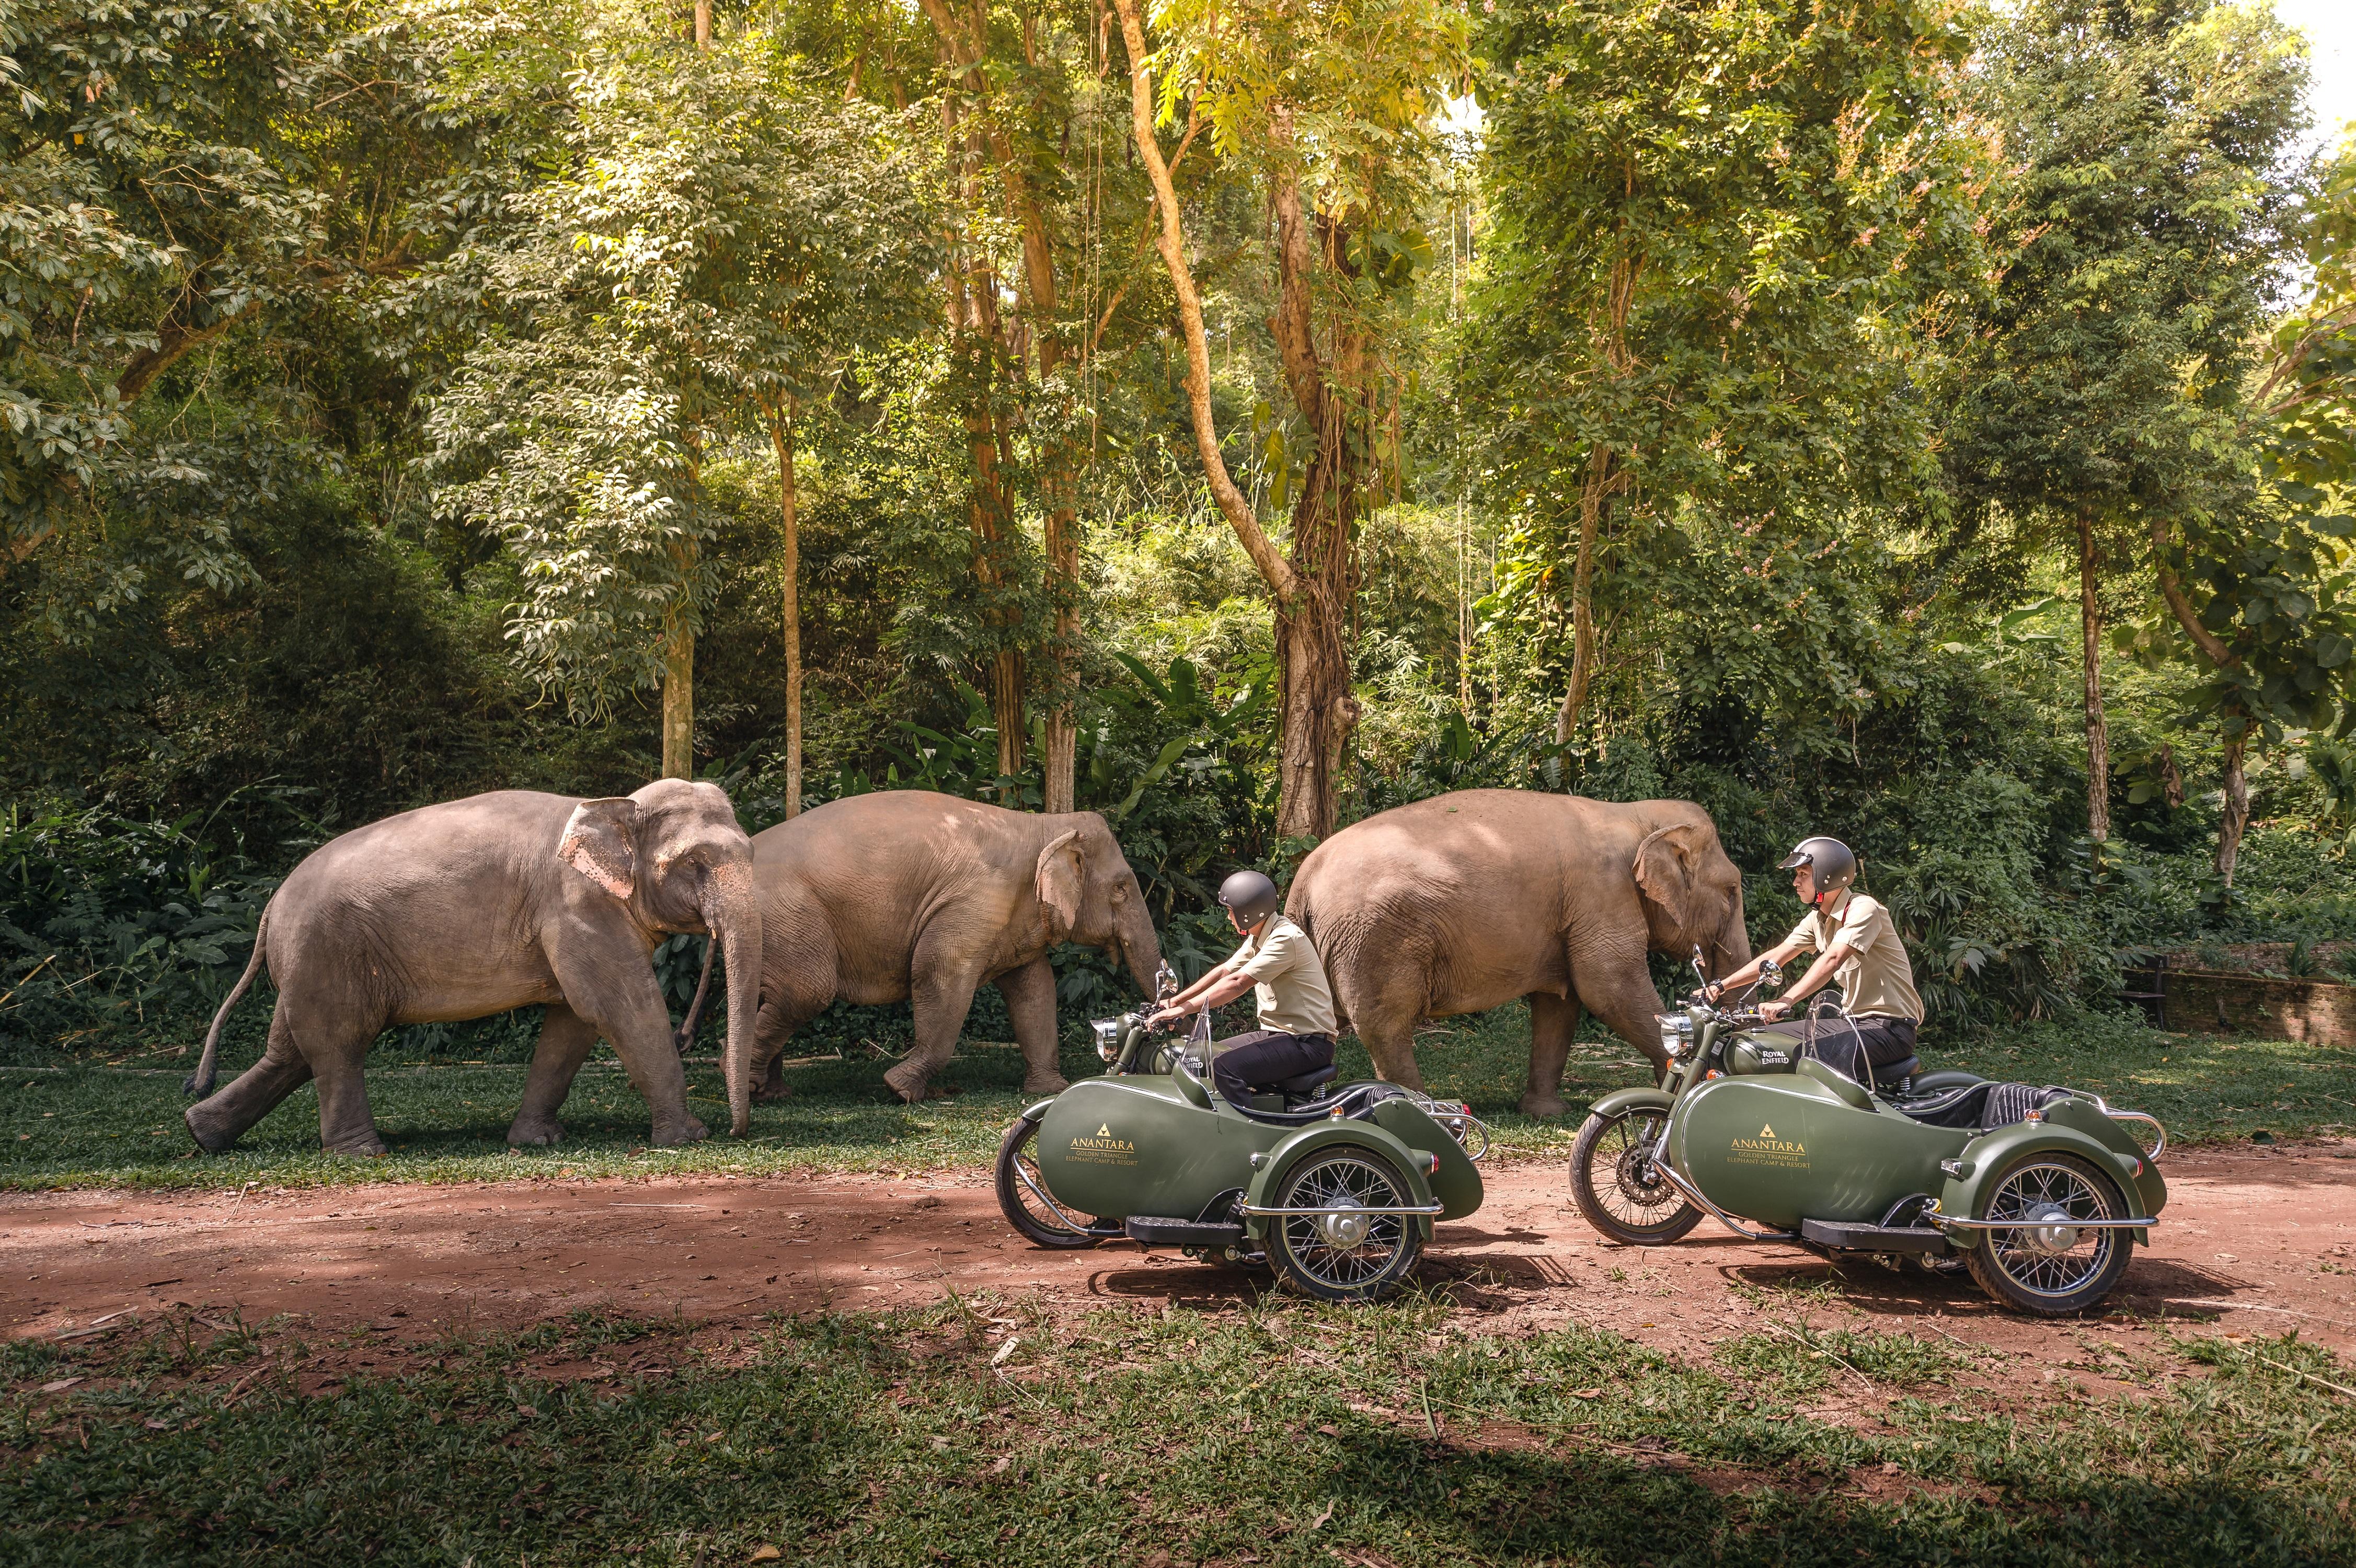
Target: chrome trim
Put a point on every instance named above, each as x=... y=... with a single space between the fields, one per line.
x=1692 y=1194
x=1257 y=1212
x=1951 y=1222
x=1037 y=1192
x=2159 y=1147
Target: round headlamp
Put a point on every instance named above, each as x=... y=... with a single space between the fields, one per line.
x=1677 y=1032
x=1107 y=1033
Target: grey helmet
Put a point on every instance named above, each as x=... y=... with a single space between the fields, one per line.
x=1831 y=866
x=1250 y=896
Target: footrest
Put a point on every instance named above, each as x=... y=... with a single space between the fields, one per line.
x=1151 y=1231
x=1862 y=1238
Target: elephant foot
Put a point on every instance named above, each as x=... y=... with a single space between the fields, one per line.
x=1536 y=1104
x=1044 y=1083
x=687 y=1132
x=369 y=1148
x=209 y=1139
x=770 y=1094
x=538 y=1133
x=912 y=1081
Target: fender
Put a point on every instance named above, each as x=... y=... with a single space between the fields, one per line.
x=1455 y=1182
x=1984 y=1156
x=1039 y=1110
x=1270 y=1170
x=1621 y=1100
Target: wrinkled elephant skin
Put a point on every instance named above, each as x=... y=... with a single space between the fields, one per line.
x=1465 y=901
x=476 y=906
x=908 y=895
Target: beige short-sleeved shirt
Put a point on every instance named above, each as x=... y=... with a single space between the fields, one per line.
x=1876 y=981
x=1292 y=991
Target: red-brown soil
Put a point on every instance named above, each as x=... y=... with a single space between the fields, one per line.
x=2258 y=1241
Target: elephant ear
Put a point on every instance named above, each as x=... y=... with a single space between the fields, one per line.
x=600 y=842
x=1060 y=867
x=1666 y=863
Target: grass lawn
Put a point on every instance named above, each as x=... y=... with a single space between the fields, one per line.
x=446 y=1121
x=1275 y=1433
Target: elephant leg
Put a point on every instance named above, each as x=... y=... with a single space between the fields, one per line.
x=220 y=1120
x=1030 y=994
x=614 y=993
x=1553 y=1022
x=942 y=994
x=1386 y=1029
x=1621 y=995
x=565 y=1041
x=338 y=1055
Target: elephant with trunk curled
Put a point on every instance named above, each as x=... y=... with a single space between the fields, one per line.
x=906 y=895
x=476 y=906
x=1465 y=901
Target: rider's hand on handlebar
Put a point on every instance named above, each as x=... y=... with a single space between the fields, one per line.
x=1712 y=992
x=1771 y=1011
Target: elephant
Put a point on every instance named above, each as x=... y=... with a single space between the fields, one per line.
x=907 y=894
x=475 y=906
x=1466 y=901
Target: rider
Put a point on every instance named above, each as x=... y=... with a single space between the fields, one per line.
x=1296 y=1004
x=1857 y=940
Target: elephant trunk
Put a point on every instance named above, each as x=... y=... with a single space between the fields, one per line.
x=734 y=918
x=1140 y=949
x=1733 y=942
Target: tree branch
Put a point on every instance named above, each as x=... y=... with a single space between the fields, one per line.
x=1278 y=572
x=2219 y=653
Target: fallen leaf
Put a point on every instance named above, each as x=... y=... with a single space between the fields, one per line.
x=1587 y=1393
x=60 y=1386
x=1006 y=1349
x=767 y=1554
x=1319 y=1522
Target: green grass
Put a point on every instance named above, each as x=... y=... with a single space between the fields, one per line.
x=1270 y=1432
x=446 y=1121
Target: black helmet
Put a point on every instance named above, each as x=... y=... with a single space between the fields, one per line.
x=1830 y=865
x=1250 y=896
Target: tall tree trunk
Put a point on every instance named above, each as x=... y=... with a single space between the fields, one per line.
x=789 y=569
x=1594 y=497
x=2237 y=808
x=2098 y=734
x=703 y=24
x=679 y=700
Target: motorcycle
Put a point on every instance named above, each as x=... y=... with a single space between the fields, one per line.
x=2039 y=1193
x=1336 y=1188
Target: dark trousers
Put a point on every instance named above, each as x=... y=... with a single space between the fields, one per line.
x=1265 y=1056
x=1854 y=1046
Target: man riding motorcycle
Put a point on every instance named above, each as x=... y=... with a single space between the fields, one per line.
x=1857 y=942
x=1296 y=1002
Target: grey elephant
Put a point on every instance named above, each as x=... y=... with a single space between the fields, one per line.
x=909 y=895
x=475 y=906
x=1466 y=901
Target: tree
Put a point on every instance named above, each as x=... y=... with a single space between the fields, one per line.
x=722 y=239
x=2139 y=229
x=1754 y=216
x=1331 y=106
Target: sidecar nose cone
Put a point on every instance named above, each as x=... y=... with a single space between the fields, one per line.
x=2049 y=1237
x=1346 y=1227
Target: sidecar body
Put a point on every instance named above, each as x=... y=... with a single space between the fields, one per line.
x=2039 y=1193
x=1339 y=1193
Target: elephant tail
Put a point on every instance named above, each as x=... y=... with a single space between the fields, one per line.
x=200 y=1082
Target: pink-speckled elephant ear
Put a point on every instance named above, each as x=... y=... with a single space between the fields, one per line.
x=599 y=842
x=1062 y=875
x=1664 y=868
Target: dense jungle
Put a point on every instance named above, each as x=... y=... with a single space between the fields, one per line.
x=1918 y=422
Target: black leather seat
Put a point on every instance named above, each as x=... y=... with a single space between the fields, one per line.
x=1896 y=1072
x=1307 y=1083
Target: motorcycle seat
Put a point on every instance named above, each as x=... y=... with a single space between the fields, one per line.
x=1349 y=1102
x=1894 y=1074
x=1306 y=1083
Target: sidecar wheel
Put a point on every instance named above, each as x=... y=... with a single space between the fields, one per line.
x=2046 y=1265
x=1341 y=1255
x=1024 y=1208
x=1609 y=1182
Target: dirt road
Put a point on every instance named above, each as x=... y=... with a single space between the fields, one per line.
x=2265 y=1239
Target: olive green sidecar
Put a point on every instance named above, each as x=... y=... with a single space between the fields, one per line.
x=2041 y=1192
x=1338 y=1193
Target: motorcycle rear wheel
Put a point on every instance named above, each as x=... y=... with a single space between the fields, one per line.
x=1021 y=1202
x=1610 y=1188
x=2029 y=1268
x=1341 y=1255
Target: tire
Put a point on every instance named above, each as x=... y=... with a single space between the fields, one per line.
x=2030 y=1269
x=1622 y=1205
x=1025 y=1209
x=1342 y=1257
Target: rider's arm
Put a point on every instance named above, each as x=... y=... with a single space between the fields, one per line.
x=1225 y=988
x=1780 y=954
x=1819 y=975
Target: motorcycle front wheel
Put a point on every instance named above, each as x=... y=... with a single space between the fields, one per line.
x=1615 y=1186
x=1022 y=1196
